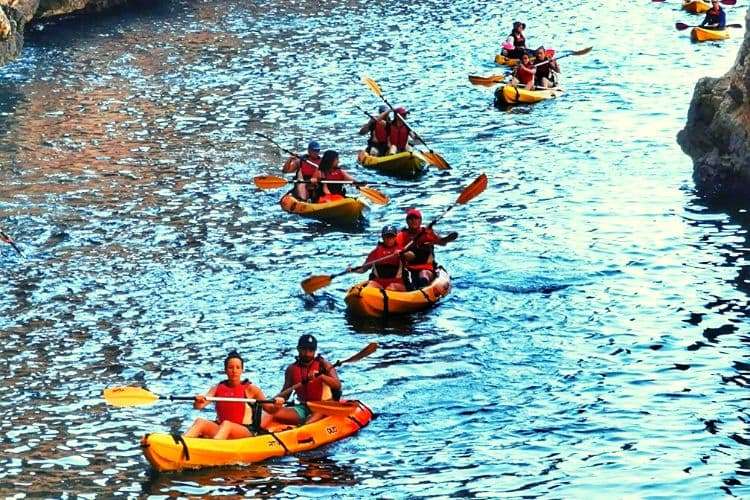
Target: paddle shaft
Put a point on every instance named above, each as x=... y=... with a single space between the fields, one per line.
x=226 y=400
x=7 y=239
x=289 y=152
x=682 y=27
x=556 y=58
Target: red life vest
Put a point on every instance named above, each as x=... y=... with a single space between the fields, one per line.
x=399 y=135
x=225 y=410
x=379 y=132
x=525 y=74
x=386 y=271
x=313 y=390
x=335 y=174
x=305 y=168
x=423 y=254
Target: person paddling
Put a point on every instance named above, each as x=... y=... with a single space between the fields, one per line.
x=515 y=45
x=418 y=243
x=304 y=171
x=386 y=273
x=234 y=420
x=377 y=142
x=546 y=74
x=330 y=171
x=399 y=133
x=316 y=376
x=524 y=73
x=716 y=18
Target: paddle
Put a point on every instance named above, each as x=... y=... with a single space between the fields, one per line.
x=683 y=26
x=432 y=157
x=274 y=182
x=368 y=349
x=314 y=283
x=370 y=193
x=571 y=53
x=7 y=239
x=138 y=396
x=724 y=2
x=487 y=81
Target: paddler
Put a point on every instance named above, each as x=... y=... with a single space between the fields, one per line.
x=330 y=171
x=515 y=45
x=316 y=376
x=378 y=127
x=524 y=73
x=388 y=272
x=305 y=168
x=716 y=18
x=234 y=420
x=399 y=134
x=418 y=244
x=546 y=74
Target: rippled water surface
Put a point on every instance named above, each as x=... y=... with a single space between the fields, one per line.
x=596 y=338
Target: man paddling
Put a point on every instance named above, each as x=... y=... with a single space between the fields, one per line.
x=716 y=18
x=546 y=74
x=385 y=262
x=418 y=243
x=305 y=168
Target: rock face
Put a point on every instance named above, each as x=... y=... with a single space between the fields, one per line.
x=717 y=132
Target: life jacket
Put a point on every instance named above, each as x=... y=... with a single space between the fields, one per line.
x=335 y=174
x=305 y=168
x=399 y=136
x=313 y=390
x=424 y=257
x=714 y=16
x=519 y=41
x=379 y=132
x=524 y=74
x=389 y=270
x=226 y=410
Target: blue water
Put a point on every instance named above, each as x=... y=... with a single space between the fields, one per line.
x=595 y=339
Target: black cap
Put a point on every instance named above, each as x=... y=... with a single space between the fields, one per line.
x=307 y=342
x=389 y=230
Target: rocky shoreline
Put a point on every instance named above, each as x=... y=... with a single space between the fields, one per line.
x=717 y=132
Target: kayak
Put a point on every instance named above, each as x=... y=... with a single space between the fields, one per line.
x=507 y=61
x=510 y=94
x=406 y=164
x=166 y=453
x=704 y=35
x=696 y=6
x=363 y=300
x=343 y=211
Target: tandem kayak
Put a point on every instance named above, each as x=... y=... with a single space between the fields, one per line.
x=507 y=61
x=343 y=211
x=363 y=300
x=511 y=94
x=696 y=6
x=167 y=453
x=406 y=164
x=704 y=35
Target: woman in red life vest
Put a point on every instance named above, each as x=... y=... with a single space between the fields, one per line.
x=305 y=168
x=515 y=45
x=546 y=74
x=233 y=420
x=524 y=73
x=330 y=171
x=386 y=272
x=399 y=134
x=316 y=376
x=377 y=143
x=418 y=244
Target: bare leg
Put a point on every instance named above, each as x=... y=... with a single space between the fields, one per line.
x=202 y=428
x=315 y=417
x=230 y=430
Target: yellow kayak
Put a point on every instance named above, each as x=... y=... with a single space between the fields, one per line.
x=696 y=6
x=343 y=211
x=165 y=453
x=510 y=94
x=406 y=164
x=507 y=61
x=375 y=302
x=704 y=35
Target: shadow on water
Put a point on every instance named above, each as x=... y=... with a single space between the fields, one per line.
x=395 y=325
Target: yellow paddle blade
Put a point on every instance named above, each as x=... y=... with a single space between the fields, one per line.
x=435 y=159
x=373 y=85
x=269 y=182
x=129 y=396
x=487 y=81
x=332 y=408
x=473 y=190
x=314 y=283
x=374 y=195
x=369 y=349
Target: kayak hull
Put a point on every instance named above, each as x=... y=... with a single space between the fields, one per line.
x=510 y=94
x=165 y=454
x=406 y=165
x=696 y=6
x=704 y=35
x=507 y=61
x=362 y=300
x=344 y=211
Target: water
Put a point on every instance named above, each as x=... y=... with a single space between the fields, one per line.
x=596 y=336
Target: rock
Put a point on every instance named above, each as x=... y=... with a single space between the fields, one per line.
x=50 y=8
x=717 y=131
x=12 y=23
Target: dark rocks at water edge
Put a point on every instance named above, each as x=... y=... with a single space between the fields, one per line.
x=14 y=14
x=717 y=132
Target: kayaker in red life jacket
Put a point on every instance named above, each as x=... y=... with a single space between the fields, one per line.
x=420 y=256
x=524 y=73
x=387 y=273
x=377 y=143
x=546 y=74
x=330 y=171
x=515 y=45
x=303 y=171
x=233 y=420
x=399 y=134
x=715 y=18
x=315 y=373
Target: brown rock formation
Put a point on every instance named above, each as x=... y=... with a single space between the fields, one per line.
x=717 y=133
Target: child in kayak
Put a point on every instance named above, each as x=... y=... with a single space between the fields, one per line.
x=234 y=420
x=330 y=171
x=716 y=18
x=524 y=73
x=387 y=273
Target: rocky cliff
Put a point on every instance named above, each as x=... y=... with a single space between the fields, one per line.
x=718 y=128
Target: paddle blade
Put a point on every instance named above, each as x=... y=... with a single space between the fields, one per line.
x=373 y=85
x=269 y=181
x=681 y=26
x=473 y=190
x=332 y=408
x=315 y=283
x=435 y=159
x=373 y=195
x=369 y=349
x=129 y=396
x=486 y=81
x=728 y=2
x=581 y=52
x=7 y=239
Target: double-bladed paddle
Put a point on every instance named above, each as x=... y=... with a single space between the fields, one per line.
x=724 y=2
x=138 y=396
x=314 y=283
x=683 y=26
x=431 y=156
x=275 y=182
x=7 y=239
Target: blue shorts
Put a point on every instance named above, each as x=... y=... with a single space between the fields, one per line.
x=302 y=412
